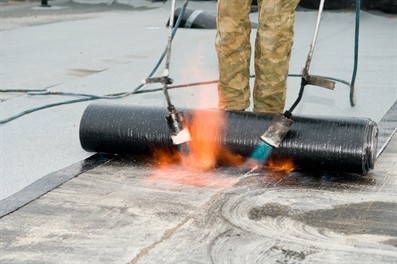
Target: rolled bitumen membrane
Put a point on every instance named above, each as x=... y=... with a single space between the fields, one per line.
x=338 y=144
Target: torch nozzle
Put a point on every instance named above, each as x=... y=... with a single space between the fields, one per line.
x=277 y=129
x=272 y=138
x=179 y=133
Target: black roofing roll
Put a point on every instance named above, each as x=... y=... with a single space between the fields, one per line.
x=315 y=143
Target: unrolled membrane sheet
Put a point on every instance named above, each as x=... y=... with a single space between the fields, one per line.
x=318 y=143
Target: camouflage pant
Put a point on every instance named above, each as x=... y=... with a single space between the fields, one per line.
x=273 y=45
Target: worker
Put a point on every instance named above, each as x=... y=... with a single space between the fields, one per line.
x=273 y=45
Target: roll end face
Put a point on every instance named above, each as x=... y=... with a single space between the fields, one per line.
x=277 y=131
x=372 y=144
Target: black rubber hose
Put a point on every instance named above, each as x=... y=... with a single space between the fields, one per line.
x=345 y=145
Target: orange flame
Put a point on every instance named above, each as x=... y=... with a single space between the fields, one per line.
x=281 y=164
x=204 y=128
x=166 y=157
x=206 y=152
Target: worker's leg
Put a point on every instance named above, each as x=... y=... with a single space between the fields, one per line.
x=234 y=51
x=272 y=53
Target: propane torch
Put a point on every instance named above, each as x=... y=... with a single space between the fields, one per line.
x=175 y=119
x=281 y=123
